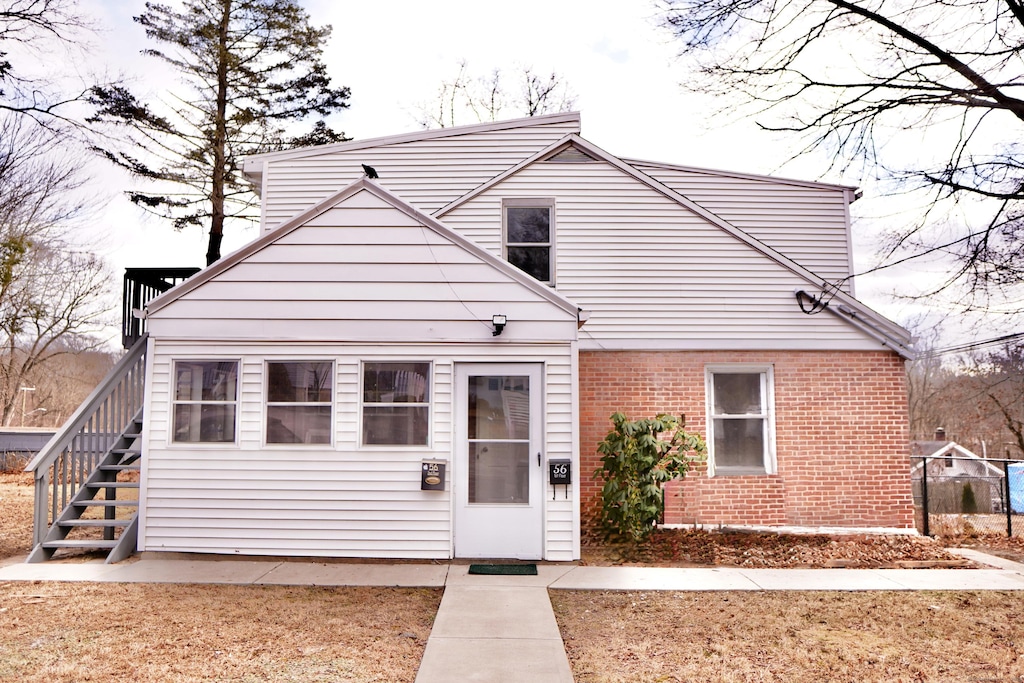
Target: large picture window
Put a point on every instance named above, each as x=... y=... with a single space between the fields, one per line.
x=529 y=236
x=205 y=401
x=299 y=402
x=396 y=404
x=740 y=418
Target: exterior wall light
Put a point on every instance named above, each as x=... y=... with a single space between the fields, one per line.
x=499 y=322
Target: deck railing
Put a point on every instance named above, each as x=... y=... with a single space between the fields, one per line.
x=65 y=463
x=142 y=285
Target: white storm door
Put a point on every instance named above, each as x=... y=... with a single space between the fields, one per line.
x=498 y=461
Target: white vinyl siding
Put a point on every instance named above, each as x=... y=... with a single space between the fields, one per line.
x=807 y=222
x=653 y=274
x=331 y=501
x=363 y=271
x=428 y=173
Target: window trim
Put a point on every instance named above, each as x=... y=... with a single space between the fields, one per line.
x=429 y=405
x=267 y=403
x=767 y=372
x=237 y=402
x=531 y=203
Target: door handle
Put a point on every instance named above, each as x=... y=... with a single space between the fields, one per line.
x=538 y=458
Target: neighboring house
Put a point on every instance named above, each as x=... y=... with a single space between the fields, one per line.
x=951 y=467
x=391 y=367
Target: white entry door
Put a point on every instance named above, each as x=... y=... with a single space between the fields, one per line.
x=498 y=461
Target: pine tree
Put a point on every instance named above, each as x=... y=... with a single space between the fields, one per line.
x=251 y=68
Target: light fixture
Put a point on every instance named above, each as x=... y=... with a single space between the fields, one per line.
x=499 y=322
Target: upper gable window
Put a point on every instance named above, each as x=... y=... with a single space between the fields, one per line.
x=529 y=229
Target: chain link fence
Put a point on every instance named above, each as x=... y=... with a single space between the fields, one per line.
x=968 y=496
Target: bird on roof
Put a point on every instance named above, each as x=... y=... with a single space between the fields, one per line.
x=370 y=171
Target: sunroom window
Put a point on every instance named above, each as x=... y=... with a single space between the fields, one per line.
x=396 y=404
x=299 y=401
x=205 y=401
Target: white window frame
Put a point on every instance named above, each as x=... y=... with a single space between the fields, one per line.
x=531 y=203
x=767 y=373
x=267 y=403
x=236 y=402
x=429 y=404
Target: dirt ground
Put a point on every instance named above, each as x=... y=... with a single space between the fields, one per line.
x=92 y=632
x=55 y=632
x=792 y=637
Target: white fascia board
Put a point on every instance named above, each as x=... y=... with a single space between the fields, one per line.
x=888 y=332
x=339 y=197
x=252 y=166
x=744 y=176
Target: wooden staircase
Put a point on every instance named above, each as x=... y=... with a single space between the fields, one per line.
x=103 y=514
x=87 y=476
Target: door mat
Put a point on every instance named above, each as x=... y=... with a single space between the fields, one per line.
x=500 y=569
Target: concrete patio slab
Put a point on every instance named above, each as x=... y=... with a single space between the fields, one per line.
x=497 y=611
x=52 y=571
x=987 y=559
x=485 y=660
x=820 y=580
x=190 y=571
x=458 y=575
x=954 y=579
x=342 y=574
x=653 y=579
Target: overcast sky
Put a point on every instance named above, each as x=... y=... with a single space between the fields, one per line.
x=394 y=55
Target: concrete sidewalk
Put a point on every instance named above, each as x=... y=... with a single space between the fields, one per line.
x=502 y=628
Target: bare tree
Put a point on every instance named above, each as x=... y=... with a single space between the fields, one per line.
x=53 y=297
x=489 y=97
x=860 y=76
x=30 y=30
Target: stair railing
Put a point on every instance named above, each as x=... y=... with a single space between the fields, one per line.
x=65 y=463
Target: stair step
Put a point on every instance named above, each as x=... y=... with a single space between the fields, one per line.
x=125 y=451
x=96 y=522
x=113 y=485
x=89 y=545
x=105 y=503
x=120 y=468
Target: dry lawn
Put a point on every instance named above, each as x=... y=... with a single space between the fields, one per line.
x=16 y=493
x=804 y=637
x=53 y=632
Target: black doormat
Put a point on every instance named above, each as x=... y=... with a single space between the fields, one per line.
x=499 y=569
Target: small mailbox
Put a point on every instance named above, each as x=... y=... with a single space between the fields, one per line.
x=560 y=472
x=432 y=475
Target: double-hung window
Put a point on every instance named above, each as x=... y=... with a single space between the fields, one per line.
x=740 y=419
x=299 y=401
x=205 y=402
x=529 y=236
x=396 y=404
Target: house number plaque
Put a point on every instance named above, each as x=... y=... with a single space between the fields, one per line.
x=559 y=474
x=432 y=475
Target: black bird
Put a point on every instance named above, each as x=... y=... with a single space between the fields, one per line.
x=370 y=171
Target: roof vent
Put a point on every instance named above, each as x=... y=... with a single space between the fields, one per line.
x=571 y=155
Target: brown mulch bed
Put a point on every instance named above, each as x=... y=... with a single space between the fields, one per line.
x=700 y=548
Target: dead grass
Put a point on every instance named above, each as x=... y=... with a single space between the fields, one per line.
x=16 y=493
x=52 y=632
x=803 y=637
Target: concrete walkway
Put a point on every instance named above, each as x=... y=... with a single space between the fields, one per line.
x=502 y=628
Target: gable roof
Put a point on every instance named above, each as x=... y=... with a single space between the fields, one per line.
x=937 y=449
x=252 y=166
x=846 y=307
x=339 y=198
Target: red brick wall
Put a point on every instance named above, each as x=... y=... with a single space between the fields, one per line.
x=841 y=434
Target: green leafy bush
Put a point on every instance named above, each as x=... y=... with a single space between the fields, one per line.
x=635 y=462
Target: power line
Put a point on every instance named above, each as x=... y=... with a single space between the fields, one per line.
x=971 y=346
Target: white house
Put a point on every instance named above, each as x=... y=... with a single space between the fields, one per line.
x=479 y=309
